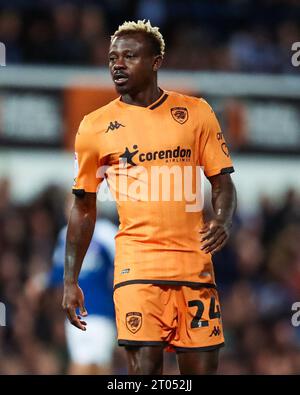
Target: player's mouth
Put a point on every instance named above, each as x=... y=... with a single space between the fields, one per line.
x=120 y=79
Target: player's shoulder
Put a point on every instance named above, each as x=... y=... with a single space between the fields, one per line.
x=98 y=118
x=181 y=99
x=102 y=111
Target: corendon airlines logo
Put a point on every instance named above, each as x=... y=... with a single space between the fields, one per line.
x=169 y=155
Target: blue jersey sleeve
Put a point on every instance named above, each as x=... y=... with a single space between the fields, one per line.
x=55 y=276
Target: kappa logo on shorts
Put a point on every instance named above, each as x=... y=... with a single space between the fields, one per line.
x=180 y=114
x=215 y=332
x=133 y=321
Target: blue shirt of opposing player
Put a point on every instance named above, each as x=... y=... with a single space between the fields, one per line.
x=96 y=276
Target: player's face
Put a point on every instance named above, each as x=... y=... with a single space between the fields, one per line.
x=131 y=63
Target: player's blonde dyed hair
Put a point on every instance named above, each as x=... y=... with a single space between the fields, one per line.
x=142 y=26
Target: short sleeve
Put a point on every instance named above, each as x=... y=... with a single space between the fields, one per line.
x=86 y=161
x=214 y=154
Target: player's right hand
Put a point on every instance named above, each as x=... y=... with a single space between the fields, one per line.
x=73 y=298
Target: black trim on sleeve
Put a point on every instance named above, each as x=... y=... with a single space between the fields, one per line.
x=139 y=343
x=227 y=170
x=192 y=349
x=160 y=102
x=190 y=284
x=78 y=192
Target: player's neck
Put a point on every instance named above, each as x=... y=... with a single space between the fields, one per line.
x=144 y=98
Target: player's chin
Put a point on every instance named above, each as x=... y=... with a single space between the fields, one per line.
x=122 y=89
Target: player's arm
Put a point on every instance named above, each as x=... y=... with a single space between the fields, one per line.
x=82 y=220
x=217 y=165
x=215 y=233
x=80 y=231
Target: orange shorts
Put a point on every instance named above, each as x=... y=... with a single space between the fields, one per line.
x=179 y=317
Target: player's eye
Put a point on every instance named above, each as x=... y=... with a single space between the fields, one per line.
x=112 y=58
x=129 y=56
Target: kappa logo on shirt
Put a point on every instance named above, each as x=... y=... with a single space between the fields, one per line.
x=114 y=125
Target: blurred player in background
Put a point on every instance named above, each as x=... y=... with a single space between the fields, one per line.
x=91 y=351
x=164 y=287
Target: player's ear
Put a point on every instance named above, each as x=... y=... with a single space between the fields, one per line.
x=157 y=62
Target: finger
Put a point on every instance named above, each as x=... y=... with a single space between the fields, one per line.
x=207 y=235
x=83 y=311
x=216 y=244
x=210 y=233
x=212 y=239
x=78 y=323
x=71 y=313
x=219 y=247
x=82 y=322
x=208 y=227
x=204 y=229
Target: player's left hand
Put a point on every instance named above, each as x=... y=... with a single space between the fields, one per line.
x=74 y=298
x=214 y=236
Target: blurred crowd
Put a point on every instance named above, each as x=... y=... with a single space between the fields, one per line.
x=245 y=35
x=258 y=276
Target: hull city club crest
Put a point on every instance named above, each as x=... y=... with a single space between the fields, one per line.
x=180 y=114
x=133 y=321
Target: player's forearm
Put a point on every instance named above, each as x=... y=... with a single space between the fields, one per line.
x=80 y=231
x=224 y=199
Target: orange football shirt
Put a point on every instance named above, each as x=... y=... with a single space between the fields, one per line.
x=151 y=158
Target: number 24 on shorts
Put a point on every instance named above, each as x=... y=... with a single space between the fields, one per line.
x=214 y=312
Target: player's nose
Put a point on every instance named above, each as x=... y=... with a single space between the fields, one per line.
x=119 y=64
